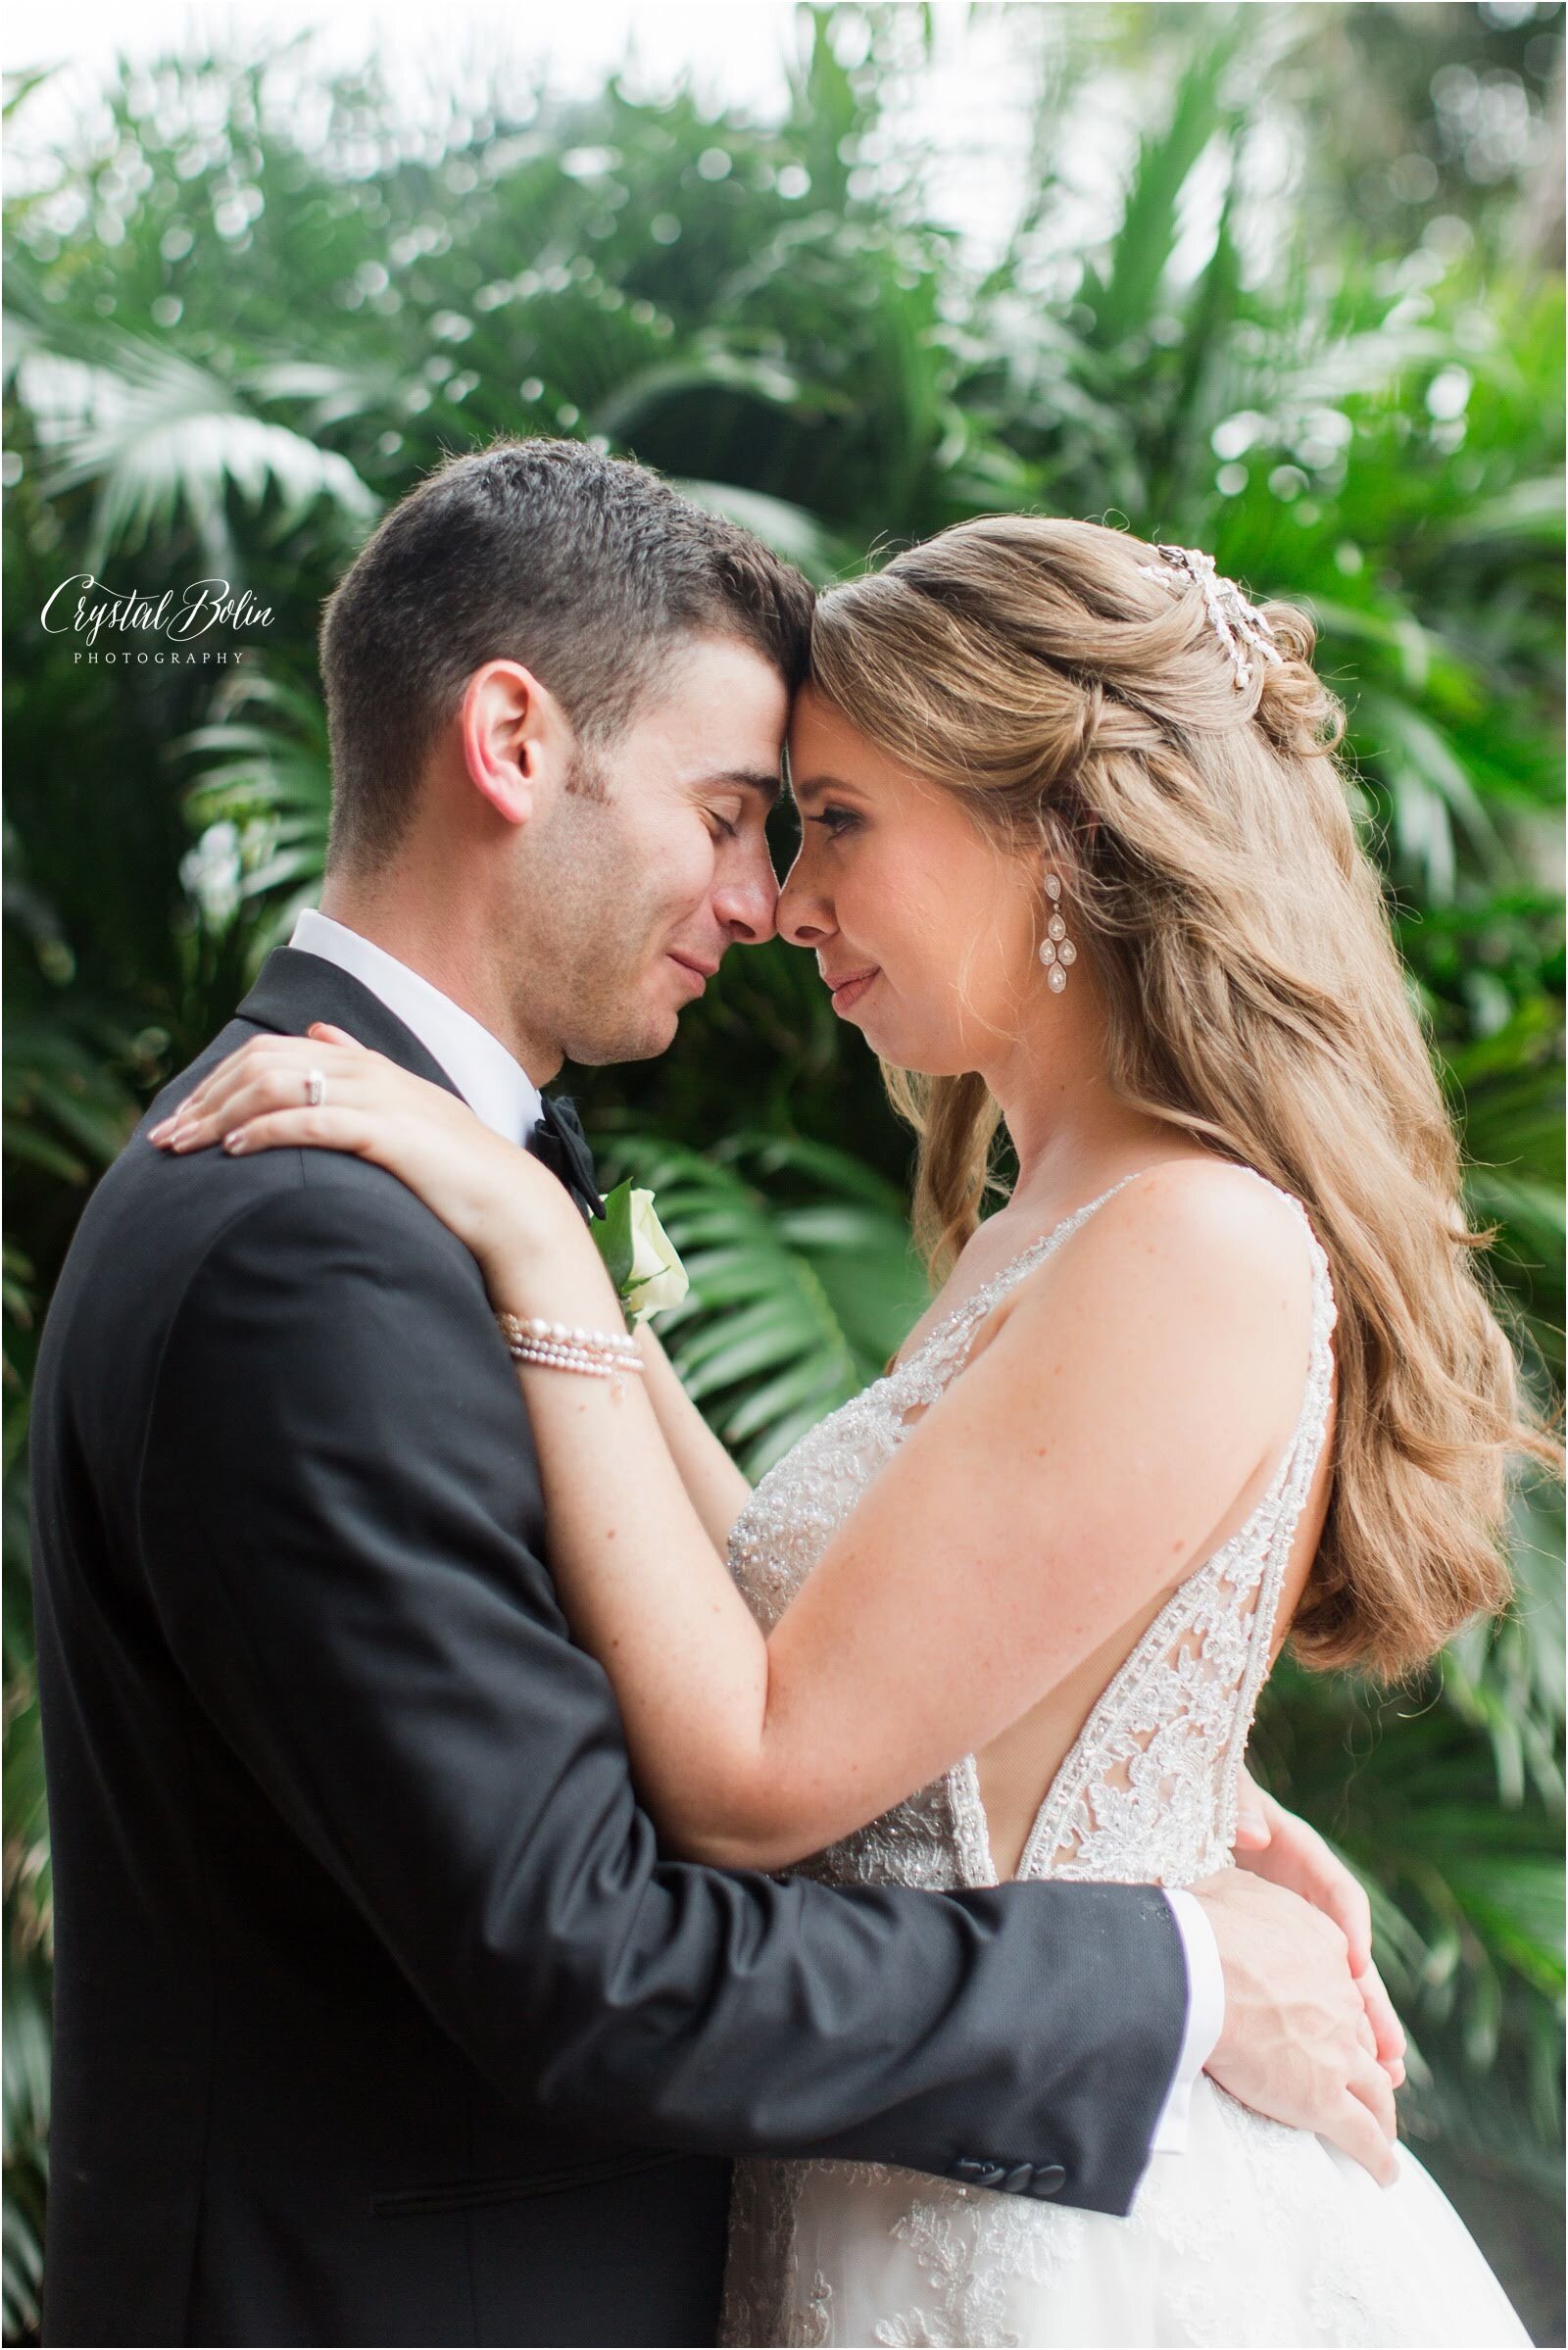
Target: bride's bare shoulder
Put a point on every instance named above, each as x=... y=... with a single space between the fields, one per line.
x=1201 y=1206
x=1191 y=1255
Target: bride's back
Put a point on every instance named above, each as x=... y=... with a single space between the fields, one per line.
x=1013 y=1769
x=1128 y=1767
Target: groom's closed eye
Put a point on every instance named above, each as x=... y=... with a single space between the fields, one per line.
x=731 y=799
x=764 y=781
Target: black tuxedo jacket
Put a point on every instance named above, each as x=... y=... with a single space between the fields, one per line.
x=380 y=2017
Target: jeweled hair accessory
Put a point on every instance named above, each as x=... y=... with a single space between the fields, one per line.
x=1233 y=619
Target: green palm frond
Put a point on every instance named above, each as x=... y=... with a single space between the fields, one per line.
x=264 y=780
x=25 y=2107
x=28 y=1889
x=800 y=1291
x=67 y=1110
x=787 y=528
x=1433 y=796
x=1150 y=214
x=163 y=442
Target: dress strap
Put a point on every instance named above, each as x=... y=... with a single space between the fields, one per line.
x=993 y=1291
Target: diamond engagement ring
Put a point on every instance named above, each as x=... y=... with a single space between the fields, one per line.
x=314 y=1089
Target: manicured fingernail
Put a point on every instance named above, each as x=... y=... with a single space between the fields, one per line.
x=156 y=1133
x=235 y=1141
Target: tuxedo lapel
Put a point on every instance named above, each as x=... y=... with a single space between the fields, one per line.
x=292 y=989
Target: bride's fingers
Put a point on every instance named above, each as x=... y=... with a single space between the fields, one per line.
x=278 y=1064
x=174 y=1131
x=245 y=1092
x=321 y=1129
x=250 y=1089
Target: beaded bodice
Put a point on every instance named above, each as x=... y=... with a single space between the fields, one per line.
x=1147 y=1793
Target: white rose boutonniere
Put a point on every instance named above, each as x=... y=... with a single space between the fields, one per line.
x=648 y=1275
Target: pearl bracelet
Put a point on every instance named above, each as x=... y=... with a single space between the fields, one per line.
x=600 y=1354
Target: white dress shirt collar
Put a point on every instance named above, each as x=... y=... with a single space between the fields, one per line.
x=496 y=1087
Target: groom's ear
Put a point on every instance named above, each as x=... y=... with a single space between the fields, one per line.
x=515 y=738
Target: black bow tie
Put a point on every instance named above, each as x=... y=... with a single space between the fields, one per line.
x=558 y=1142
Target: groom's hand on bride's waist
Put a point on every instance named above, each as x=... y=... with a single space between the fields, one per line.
x=1295 y=2042
x=1272 y=1843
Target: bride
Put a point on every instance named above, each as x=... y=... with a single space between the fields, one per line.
x=1075 y=856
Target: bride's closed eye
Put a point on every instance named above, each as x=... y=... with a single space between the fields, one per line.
x=836 y=820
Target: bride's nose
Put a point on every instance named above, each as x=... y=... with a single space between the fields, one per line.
x=802 y=916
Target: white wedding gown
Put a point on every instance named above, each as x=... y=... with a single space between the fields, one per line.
x=1254 y=2233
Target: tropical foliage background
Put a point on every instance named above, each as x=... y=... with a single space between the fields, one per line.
x=1296 y=296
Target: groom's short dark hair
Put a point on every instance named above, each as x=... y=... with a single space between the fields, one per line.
x=587 y=568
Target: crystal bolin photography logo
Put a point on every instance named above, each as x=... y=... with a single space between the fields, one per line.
x=102 y=610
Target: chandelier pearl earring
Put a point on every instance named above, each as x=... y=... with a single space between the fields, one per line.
x=1056 y=949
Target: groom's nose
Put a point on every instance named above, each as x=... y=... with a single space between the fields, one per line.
x=745 y=901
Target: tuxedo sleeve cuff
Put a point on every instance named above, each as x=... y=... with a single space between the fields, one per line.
x=1205 y=2018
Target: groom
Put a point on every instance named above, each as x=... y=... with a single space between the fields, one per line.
x=380 y=2017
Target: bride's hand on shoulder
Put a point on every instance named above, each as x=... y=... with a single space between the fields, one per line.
x=500 y=1202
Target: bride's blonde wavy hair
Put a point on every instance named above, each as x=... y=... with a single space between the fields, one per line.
x=1256 y=1000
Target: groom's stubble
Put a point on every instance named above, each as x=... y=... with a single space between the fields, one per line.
x=585 y=936
x=632 y=863
x=592 y=918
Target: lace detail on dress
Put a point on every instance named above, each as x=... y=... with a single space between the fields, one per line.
x=1153 y=1774
x=1147 y=1793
